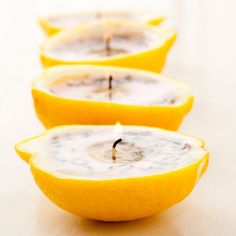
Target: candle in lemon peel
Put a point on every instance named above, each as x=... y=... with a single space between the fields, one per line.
x=153 y=170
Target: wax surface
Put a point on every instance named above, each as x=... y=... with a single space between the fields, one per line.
x=126 y=88
x=74 y=19
x=65 y=152
x=88 y=43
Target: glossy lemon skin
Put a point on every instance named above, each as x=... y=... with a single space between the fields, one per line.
x=117 y=199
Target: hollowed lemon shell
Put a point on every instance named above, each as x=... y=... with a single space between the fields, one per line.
x=151 y=59
x=53 y=110
x=116 y=199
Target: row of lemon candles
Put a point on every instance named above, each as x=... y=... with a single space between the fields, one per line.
x=81 y=164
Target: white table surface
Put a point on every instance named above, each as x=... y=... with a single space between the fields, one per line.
x=204 y=57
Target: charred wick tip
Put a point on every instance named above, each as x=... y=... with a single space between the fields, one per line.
x=114 y=148
x=116 y=142
x=110 y=82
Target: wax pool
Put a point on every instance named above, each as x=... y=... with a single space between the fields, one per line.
x=89 y=41
x=86 y=94
x=72 y=19
x=55 y=23
x=85 y=152
x=125 y=88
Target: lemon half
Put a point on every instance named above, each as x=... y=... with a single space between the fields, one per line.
x=170 y=166
x=134 y=45
x=54 y=109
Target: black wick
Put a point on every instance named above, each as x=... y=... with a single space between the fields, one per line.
x=110 y=86
x=114 y=148
x=110 y=82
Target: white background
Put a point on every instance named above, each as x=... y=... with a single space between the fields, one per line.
x=203 y=57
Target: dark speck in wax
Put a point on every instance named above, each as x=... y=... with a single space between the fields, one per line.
x=176 y=142
x=55 y=137
x=102 y=79
x=186 y=146
x=51 y=90
x=128 y=77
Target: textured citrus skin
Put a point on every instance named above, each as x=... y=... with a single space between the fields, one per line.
x=54 y=110
x=117 y=199
x=151 y=59
x=50 y=29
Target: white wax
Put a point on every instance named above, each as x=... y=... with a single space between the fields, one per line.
x=126 y=88
x=87 y=42
x=68 y=20
x=72 y=19
x=64 y=152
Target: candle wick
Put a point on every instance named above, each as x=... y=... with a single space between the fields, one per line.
x=110 y=82
x=110 y=86
x=107 y=39
x=114 y=148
